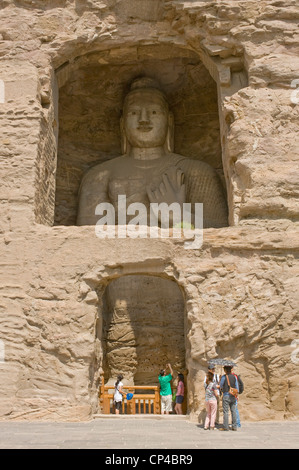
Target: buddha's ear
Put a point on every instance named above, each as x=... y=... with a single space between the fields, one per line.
x=123 y=137
x=169 y=144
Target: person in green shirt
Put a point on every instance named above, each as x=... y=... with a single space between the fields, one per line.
x=165 y=389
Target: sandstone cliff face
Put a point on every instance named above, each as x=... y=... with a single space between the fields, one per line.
x=239 y=291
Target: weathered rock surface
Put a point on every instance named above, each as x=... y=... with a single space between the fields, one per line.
x=240 y=289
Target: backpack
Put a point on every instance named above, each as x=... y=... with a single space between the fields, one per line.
x=231 y=390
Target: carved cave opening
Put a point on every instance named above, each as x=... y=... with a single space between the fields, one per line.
x=91 y=94
x=143 y=328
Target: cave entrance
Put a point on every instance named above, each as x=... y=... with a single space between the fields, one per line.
x=143 y=329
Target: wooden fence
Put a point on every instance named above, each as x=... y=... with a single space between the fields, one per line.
x=141 y=403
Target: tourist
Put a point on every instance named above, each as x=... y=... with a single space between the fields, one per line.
x=216 y=380
x=179 y=395
x=241 y=388
x=227 y=383
x=165 y=389
x=118 y=394
x=211 y=394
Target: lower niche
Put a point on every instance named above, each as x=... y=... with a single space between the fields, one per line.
x=143 y=328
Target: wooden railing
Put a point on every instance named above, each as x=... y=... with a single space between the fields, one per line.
x=141 y=403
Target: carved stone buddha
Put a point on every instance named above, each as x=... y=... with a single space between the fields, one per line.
x=149 y=171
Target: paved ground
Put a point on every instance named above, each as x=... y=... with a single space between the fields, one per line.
x=127 y=433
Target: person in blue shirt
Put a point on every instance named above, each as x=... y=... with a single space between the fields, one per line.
x=228 y=400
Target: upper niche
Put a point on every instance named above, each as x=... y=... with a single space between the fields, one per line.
x=90 y=106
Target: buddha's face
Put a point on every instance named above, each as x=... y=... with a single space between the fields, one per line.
x=146 y=119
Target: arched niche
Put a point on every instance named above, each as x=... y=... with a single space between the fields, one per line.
x=143 y=328
x=91 y=92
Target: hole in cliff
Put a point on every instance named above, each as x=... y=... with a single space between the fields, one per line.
x=143 y=328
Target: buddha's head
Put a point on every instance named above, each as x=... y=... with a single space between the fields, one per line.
x=146 y=121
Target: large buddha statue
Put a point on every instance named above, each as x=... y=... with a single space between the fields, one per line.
x=149 y=171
